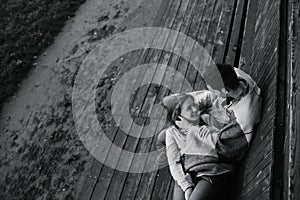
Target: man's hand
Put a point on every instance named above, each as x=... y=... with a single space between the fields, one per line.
x=204 y=131
x=188 y=193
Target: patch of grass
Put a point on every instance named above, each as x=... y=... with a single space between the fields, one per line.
x=27 y=27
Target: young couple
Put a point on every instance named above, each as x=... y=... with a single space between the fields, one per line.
x=209 y=134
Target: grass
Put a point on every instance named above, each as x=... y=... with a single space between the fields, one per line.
x=27 y=27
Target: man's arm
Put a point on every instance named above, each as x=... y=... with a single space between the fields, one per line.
x=232 y=142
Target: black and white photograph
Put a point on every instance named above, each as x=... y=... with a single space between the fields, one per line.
x=149 y=100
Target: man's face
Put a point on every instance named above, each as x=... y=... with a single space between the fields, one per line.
x=190 y=109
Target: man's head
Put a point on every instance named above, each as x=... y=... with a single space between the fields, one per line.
x=230 y=79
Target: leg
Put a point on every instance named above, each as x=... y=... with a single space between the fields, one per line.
x=204 y=190
x=178 y=194
x=223 y=185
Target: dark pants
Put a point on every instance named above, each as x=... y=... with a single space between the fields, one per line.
x=219 y=189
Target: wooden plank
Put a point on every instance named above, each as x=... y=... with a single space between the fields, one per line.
x=258 y=153
x=292 y=150
x=264 y=194
x=163 y=177
x=258 y=58
x=201 y=39
x=220 y=15
x=159 y=74
x=171 y=190
x=211 y=28
x=261 y=60
x=252 y=174
x=259 y=43
x=223 y=31
x=163 y=8
x=264 y=134
x=206 y=22
x=150 y=178
x=118 y=180
x=91 y=180
x=152 y=175
x=260 y=40
x=135 y=178
x=191 y=73
x=237 y=29
x=107 y=173
x=260 y=194
x=133 y=142
x=281 y=104
x=248 y=36
x=267 y=73
x=258 y=189
x=145 y=190
x=162 y=184
x=263 y=178
x=177 y=85
x=88 y=189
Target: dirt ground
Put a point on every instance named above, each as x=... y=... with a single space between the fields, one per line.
x=41 y=154
x=27 y=27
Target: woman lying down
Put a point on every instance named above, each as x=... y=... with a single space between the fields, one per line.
x=207 y=138
x=190 y=145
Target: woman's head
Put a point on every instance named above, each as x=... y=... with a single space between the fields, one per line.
x=185 y=108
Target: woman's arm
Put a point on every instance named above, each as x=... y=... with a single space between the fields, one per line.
x=183 y=179
x=204 y=97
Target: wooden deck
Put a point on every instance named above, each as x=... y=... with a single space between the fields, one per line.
x=232 y=31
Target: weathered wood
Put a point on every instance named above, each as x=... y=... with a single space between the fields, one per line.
x=260 y=192
x=92 y=179
x=258 y=188
x=248 y=36
x=171 y=190
x=147 y=75
x=106 y=176
x=292 y=150
x=236 y=31
x=201 y=38
x=214 y=24
x=96 y=168
x=163 y=177
x=218 y=17
x=212 y=29
x=252 y=174
x=260 y=41
x=222 y=33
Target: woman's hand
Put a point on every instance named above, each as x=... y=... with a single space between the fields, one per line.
x=188 y=193
x=183 y=123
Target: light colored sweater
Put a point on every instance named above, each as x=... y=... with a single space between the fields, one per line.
x=199 y=151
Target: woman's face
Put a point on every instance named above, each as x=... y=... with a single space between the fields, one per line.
x=190 y=110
